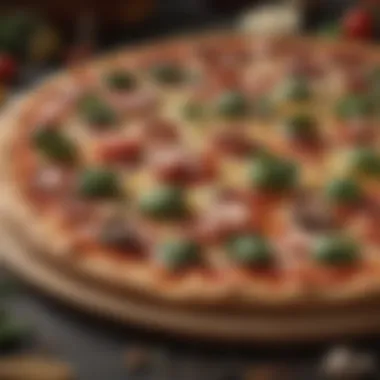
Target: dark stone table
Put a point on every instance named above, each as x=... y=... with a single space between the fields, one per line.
x=98 y=350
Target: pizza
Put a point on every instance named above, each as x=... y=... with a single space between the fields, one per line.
x=214 y=170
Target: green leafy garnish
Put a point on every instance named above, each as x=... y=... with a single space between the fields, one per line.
x=166 y=202
x=335 y=250
x=179 y=253
x=99 y=183
x=97 y=112
x=250 y=250
x=53 y=144
x=354 y=106
x=232 y=104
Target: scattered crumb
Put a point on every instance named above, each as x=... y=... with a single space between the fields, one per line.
x=137 y=358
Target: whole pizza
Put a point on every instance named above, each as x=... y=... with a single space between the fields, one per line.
x=215 y=170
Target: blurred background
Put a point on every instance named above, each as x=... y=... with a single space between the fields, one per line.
x=40 y=339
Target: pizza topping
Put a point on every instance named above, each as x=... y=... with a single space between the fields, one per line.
x=354 y=106
x=118 y=234
x=49 y=179
x=365 y=161
x=165 y=202
x=49 y=183
x=54 y=145
x=344 y=192
x=296 y=89
x=235 y=142
x=181 y=167
x=250 y=250
x=273 y=174
x=301 y=127
x=134 y=103
x=225 y=78
x=334 y=250
x=232 y=104
x=312 y=213
x=97 y=112
x=167 y=73
x=358 y=132
x=160 y=130
x=179 y=254
x=263 y=107
x=120 y=80
x=78 y=212
x=225 y=218
x=193 y=110
x=119 y=150
x=221 y=57
x=98 y=183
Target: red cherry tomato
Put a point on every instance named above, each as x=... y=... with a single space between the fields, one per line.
x=358 y=24
x=119 y=150
x=8 y=68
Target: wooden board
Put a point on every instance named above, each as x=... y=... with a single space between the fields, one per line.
x=252 y=327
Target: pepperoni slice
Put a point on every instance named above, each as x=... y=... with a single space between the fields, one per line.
x=48 y=183
x=119 y=150
x=357 y=132
x=177 y=166
x=308 y=147
x=294 y=247
x=235 y=143
x=135 y=102
x=225 y=78
x=224 y=219
x=119 y=235
x=311 y=212
x=158 y=130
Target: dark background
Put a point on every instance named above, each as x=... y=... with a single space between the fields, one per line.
x=97 y=350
